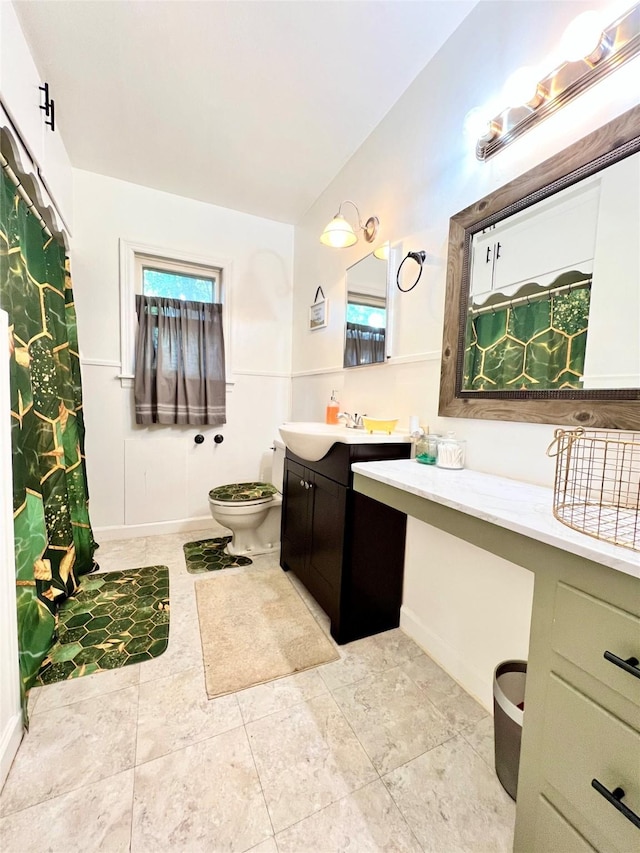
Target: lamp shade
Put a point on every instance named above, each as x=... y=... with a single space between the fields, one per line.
x=338 y=234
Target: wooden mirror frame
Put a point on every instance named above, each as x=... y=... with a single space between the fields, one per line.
x=600 y=408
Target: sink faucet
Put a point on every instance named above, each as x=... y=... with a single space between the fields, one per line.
x=352 y=421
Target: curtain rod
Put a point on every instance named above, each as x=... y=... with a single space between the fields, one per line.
x=23 y=194
x=533 y=297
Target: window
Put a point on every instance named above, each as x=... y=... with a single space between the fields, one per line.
x=367 y=315
x=365 y=330
x=173 y=274
x=174 y=280
x=180 y=363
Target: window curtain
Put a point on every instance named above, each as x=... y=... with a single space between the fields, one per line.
x=54 y=543
x=535 y=345
x=180 y=365
x=364 y=345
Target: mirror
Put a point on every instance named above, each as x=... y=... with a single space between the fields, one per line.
x=542 y=318
x=365 y=340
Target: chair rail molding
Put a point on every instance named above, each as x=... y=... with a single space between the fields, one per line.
x=128 y=250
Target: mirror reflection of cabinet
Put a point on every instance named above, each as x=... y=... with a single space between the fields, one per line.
x=538 y=243
x=366 y=320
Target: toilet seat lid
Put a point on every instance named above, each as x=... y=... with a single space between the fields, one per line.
x=242 y=492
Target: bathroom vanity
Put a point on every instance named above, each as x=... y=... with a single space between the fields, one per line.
x=345 y=547
x=579 y=785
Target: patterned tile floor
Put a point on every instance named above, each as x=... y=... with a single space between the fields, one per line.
x=379 y=751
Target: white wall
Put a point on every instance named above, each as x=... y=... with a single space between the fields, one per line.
x=415 y=171
x=480 y=616
x=152 y=479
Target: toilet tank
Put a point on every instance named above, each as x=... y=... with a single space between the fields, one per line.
x=277 y=470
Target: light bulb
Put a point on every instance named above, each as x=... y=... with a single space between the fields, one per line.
x=521 y=86
x=581 y=37
x=338 y=234
x=477 y=123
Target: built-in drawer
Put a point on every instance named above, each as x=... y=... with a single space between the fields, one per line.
x=585 y=628
x=556 y=835
x=583 y=742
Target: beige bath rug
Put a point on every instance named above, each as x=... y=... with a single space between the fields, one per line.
x=254 y=628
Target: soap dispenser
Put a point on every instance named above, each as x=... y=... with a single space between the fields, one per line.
x=333 y=408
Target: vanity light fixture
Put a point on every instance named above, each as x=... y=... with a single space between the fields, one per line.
x=590 y=52
x=339 y=234
x=382 y=252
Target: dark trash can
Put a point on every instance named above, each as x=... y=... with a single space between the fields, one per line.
x=509 y=681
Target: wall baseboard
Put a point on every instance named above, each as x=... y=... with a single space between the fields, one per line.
x=9 y=743
x=156 y=528
x=448 y=658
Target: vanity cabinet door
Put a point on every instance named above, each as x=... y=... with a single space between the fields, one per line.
x=295 y=519
x=326 y=542
x=347 y=549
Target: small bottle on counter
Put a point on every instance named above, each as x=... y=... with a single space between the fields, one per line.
x=451 y=452
x=333 y=408
x=427 y=448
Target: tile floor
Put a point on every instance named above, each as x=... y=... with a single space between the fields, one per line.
x=379 y=751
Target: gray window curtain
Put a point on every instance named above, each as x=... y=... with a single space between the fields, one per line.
x=364 y=345
x=180 y=366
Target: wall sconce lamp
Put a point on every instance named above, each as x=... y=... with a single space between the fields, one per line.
x=591 y=52
x=339 y=234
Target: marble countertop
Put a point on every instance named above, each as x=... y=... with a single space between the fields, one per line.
x=520 y=507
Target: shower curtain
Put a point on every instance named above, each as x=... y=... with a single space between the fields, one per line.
x=540 y=344
x=54 y=543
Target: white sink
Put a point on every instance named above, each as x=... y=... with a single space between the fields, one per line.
x=312 y=441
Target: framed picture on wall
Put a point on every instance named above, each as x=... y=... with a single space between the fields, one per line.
x=318 y=314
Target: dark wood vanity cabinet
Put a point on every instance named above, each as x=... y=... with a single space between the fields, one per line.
x=347 y=549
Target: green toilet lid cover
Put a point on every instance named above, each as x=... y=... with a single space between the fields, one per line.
x=237 y=492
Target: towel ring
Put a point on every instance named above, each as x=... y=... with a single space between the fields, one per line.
x=419 y=258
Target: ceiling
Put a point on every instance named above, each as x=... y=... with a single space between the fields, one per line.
x=254 y=106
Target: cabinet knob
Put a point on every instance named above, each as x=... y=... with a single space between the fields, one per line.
x=302 y=482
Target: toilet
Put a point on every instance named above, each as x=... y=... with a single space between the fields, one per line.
x=251 y=511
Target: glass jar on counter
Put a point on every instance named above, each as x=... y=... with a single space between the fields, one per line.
x=451 y=451
x=427 y=449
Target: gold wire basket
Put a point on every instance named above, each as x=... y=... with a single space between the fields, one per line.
x=597 y=484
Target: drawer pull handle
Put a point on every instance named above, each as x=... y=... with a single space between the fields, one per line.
x=629 y=665
x=615 y=798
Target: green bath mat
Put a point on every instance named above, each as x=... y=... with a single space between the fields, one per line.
x=208 y=555
x=114 y=619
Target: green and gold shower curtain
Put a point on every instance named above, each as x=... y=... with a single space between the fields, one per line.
x=54 y=543
x=536 y=344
